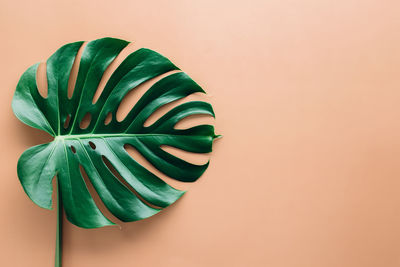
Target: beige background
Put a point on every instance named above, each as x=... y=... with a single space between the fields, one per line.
x=307 y=97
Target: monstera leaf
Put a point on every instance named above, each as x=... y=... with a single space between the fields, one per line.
x=100 y=148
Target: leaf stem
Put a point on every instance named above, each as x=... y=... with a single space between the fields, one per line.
x=58 y=258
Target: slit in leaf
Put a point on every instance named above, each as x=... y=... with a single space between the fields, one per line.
x=194 y=120
x=108 y=118
x=122 y=180
x=139 y=158
x=96 y=198
x=41 y=79
x=130 y=48
x=191 y=157
x=161 y=111
x=85 y=122
x=134 y=95
x=66 y=122
x=74 y=71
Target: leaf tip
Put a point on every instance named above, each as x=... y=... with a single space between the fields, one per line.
x=217 y=136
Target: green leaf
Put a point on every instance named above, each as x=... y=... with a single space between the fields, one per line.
x=100 y=149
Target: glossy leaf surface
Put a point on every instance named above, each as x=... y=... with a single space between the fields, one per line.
x=100 y=149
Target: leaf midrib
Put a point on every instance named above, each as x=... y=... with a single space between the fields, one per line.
x=89 y=136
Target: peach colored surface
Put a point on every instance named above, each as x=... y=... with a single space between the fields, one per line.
x=307 y=97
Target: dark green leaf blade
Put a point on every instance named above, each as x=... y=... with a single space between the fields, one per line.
x=127 y=189
x=36 y=169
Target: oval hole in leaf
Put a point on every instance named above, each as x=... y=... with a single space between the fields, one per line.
x=108 y=118
x=133 y=96
x=74 y=71
x=85 y=122
x=92 y=145
x=66 y=122
x=73 y=149
x=41 y=79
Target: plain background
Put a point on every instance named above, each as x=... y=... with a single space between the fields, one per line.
x=307 y=97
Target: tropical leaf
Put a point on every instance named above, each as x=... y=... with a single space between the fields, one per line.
x=100 y=148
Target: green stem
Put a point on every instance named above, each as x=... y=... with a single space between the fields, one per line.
x=58 y=261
